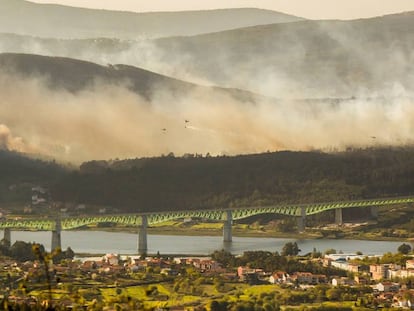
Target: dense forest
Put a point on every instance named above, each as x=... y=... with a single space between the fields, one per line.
x=20 y=172
x=206 y=182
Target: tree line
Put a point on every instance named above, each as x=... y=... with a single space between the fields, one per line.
x=207 y=182
x=196 y=182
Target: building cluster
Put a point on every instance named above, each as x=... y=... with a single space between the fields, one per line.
x=390 y=282
x=382 y=278
x=40 y=196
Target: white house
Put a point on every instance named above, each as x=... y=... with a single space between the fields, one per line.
x=278 y=277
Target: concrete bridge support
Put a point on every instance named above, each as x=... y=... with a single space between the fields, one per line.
x=302 y=219
x=374 y=212
x=56 y=239
x=7 y=237
x=227 y=234
x=142 y=236
x=338 y=216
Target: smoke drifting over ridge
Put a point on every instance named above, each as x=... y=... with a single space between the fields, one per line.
x=306 y=59
x=9 y=142
x=106 y=122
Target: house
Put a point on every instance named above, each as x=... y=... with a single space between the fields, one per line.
x=307 y=278
x=361 y=280
x=278 y=277
x=202 y=264
x=344 y=265
x=409 y=264
x=169 y=272
x=387 y=287
x=326 y=261
x=252 y=278
x=378 y=271
x=112 y=259
x=400 y=273
x=336 y=281
x=209 y=265
x=241 y=271
x=403 y=299
x=343 y=257
x=39 y=196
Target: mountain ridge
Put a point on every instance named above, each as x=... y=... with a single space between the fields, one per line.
x=75 y=75
x=30 y=18
x=330 y=58
x=334 y=58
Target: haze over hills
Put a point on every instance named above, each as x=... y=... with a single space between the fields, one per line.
x=76 y=111
x=152 y=102
x=57 y=21
x=75 y=75
x=106 y=86
x=112 y=111
x=304 y=59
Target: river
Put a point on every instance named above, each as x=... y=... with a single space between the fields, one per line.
x=100 y=242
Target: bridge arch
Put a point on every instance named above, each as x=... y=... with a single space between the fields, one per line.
x=226 y=215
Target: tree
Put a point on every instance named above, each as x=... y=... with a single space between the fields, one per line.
x=404 y=249
x=333 y=294
x=330 y=251
x=218 y=305
x=290 y=249
x=24 y=251
x=287 y=225
x=226 y=259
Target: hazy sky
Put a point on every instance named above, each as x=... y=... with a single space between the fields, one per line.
x=314 y=9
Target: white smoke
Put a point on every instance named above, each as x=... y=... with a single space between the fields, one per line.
x=10 y=142
x=108 y=122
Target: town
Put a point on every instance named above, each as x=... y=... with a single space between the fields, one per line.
x=256 y=280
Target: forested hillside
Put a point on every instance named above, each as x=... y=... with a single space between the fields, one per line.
x=19 y=173
x=195 y=181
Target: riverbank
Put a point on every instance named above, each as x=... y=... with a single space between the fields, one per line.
x=103 y=242
x=346 y=231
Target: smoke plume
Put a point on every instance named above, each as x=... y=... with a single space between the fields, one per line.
x=10 y=142
x=107 y=122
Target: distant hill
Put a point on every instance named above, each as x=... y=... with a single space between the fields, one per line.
x=99 y=49
x=57 y=21
x=76 y=75
x=303 y=59
x=312 y=58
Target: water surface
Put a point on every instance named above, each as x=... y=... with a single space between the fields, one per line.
x=99 y=242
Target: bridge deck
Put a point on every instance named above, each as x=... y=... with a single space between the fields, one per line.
x=237 y=213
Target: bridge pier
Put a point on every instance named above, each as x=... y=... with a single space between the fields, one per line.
x=56 y=239
x=374 y=212
x=142 y=236
x=227 y=234
x=338 y=216
x=302 y=219
x=7 y=237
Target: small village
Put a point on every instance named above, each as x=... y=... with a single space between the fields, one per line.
x=114 y=282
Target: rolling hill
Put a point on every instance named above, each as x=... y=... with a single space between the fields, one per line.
x=57 y=21
x=302 y=59
x=75 y=75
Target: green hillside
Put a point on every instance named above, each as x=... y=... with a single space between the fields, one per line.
x=196 y=182
x=19 y=173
